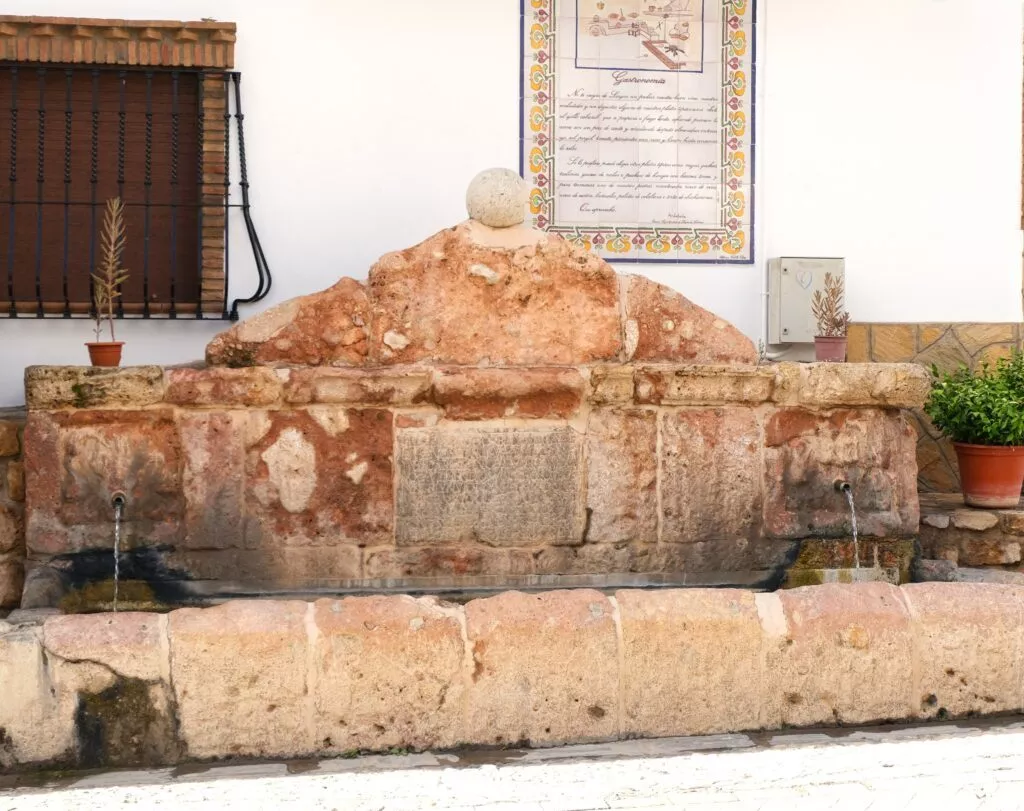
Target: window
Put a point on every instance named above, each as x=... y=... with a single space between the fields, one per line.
x=93 y=109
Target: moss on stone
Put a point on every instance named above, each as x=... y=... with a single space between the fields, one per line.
x=132 y=595
x=121 y=726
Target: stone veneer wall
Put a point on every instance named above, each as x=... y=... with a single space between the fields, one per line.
x=12 y=498
x=319 y=478
x=947 y=346
x=293 y=679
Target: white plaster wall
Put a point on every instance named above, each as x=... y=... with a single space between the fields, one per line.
x=889 y=133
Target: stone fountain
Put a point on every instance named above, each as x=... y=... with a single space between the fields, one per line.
x=494 y=407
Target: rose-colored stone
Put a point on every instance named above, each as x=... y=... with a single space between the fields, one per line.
x=388 y=672
x=129 y=643
x=711 y=475
x=484 y=394
x=380 y=386
x=969 y=646
x=622 y=476
x=213 y=443
x=322 y=329
x=807 y=452
x=9 y=445
x=668 y=326
x=703 y=385
x=843 y=654
x=320 y=476
x=16 y=481
x=240 y=679
x=48 y=387
x=218 y=386
x=455 y=300
x=692 y=662
x=545 y=668
x=76 y=461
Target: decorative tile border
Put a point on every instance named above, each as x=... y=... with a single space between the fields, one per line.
x=733 y=240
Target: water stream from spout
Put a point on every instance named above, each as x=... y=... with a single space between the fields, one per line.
x=117 y=549
x=853 y=521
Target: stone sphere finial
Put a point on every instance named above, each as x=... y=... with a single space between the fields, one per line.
x=497 y=198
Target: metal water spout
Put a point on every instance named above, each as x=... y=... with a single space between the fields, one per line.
x=118 y=501
x=844 y=487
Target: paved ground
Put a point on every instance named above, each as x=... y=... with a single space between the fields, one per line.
x=928 y=768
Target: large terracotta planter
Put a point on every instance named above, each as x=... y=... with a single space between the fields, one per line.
x=105 y=353
x=991 y=476
x=830 y=350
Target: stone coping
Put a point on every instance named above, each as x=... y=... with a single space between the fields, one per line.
x=481 y=393
x=278 y=679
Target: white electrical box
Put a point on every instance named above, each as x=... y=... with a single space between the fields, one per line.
x=792 y=281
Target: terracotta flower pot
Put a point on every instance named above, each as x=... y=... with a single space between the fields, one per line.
x=830 y=350
x=991 y=476
x=105 y=353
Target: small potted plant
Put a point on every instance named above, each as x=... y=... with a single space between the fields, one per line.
x=106 y=285
x=833 y=321
x=983 y=414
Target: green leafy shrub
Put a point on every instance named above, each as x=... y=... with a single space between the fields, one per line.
x=986 y=408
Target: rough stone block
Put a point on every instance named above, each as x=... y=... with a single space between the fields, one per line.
x=832 y=385
x=55 y=387
x=382 y=386
x=975 y=520
x=276 y=566
x=969 y=645
x=1013 y=522
x=213 y=479
x=319 y=476
x=807 y=452
x=218 y=386
x=9 y=444
x=692 y=662
x=76 y=461
x=240 y=679
x=12 y=530
x=132 y=644
x=484 y=394
x=323 y=329
x=704 y=385
x=12 y=578
x=611 y=385
x=844 y=654
x=622 y=475
x=388 y=672
x=668 y=326
x=496 y=486
x=453 y=299
x=16 y=481
x=433 y=563
x=711 y=475
x=991 y=551
x=545 y=668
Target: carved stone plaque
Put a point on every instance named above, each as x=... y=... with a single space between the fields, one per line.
x=500 y=487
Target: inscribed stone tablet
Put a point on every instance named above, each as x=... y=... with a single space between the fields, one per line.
x=501 y=487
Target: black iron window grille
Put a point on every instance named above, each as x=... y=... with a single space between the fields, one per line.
x=161 y=139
